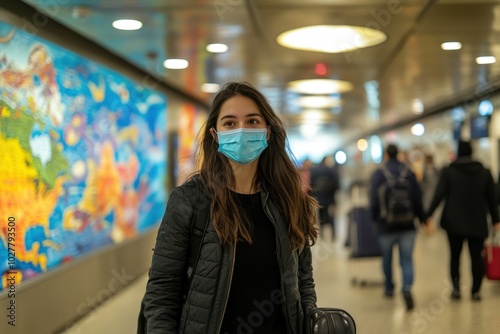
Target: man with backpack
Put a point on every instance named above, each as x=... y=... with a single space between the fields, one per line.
x=395 y=202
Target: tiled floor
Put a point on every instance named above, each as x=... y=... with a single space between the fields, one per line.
x=334 y=271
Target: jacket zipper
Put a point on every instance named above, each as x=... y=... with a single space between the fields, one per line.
x=278 y=246
x=228 y=288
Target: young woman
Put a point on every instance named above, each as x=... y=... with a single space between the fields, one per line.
x=254 y=273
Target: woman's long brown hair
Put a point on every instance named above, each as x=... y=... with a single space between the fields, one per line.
x=275 y=170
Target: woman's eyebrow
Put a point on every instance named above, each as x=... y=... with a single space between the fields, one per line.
x=248 y=115
x=253 y=115
x=227 y=116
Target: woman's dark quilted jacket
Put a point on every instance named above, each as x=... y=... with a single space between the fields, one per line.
x=203 y=310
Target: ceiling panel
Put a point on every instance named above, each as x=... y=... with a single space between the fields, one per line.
x=387 y=77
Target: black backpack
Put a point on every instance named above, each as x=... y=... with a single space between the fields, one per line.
x=395 y=198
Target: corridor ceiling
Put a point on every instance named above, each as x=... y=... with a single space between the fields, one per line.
x=387 y=78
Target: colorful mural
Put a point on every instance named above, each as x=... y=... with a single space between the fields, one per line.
x=82 y=155
x=191 y=121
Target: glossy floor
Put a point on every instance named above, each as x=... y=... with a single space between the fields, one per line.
x=374 y=314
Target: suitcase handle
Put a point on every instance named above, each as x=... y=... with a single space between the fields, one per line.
x=489 y=254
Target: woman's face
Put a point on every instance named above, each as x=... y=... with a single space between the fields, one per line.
x=239 y=112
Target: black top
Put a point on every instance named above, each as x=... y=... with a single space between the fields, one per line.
x=254 y=304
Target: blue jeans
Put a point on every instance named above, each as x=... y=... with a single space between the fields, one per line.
x=406 y=243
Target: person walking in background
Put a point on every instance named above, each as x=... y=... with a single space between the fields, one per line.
x=324 y=186
x=305 y=175
x=395 y=202
x=255 y=255
x=430 y=177
x=468 y=190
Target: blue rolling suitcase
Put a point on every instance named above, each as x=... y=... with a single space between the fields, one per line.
x=363 y=242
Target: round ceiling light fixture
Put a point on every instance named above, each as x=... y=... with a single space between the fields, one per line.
x=320 y=86
x=418 y=129
x=318 y=102
x=314 y=116
x=340 y=157
x=331 y=38
x=127 y=24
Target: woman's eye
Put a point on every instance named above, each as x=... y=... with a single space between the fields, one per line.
x=253 y=121
x=229 y=123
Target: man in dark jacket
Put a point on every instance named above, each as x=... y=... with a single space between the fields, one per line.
x=464 y=215
x=393 y=226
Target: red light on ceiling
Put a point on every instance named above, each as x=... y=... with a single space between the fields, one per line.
x=320 y=69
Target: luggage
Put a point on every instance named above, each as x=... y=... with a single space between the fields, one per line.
x=325 y=320
x=363 y=239
x=492 y=258
x=358 y=192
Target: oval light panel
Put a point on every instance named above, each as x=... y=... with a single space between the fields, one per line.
x=331 y=38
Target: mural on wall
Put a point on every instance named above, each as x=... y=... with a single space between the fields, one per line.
x=82 y=155
x=191 y=121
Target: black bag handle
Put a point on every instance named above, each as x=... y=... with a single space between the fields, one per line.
x=328 y=320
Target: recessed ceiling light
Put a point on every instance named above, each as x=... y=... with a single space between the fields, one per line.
x=210 y=88
x=485 y=108
x=451 y=46
x=417 y=106
x=340 y=157
x=331 y=38
x=309 y=130
x=314 y=116
x=320 y=86
x=175 y=64
x=362 y=145
x=418 y=129
x=486 y=60
x=127 y=24
x=318 y=102
x=217 y=48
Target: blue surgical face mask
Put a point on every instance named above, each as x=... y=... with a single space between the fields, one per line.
x=242 y=145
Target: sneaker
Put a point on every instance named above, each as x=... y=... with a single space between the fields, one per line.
x=408 y=300
x=455 y=295
x=476 y=296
